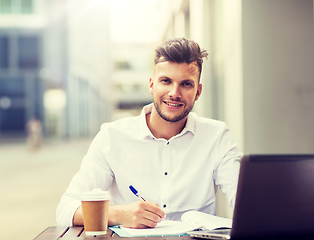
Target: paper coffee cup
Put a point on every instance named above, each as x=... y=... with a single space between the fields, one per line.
x=95 y=207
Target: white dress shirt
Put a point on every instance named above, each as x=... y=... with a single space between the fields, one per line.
x=179 y=174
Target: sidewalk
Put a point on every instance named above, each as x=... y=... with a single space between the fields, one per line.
x=31 y=184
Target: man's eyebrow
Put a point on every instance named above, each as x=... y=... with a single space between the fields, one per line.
x=188 y=80
x=164 y=77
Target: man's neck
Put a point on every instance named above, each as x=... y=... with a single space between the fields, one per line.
x=161 y=128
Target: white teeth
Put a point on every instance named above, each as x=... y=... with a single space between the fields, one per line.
x=175 y=105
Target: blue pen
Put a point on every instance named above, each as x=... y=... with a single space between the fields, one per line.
x=136 y=193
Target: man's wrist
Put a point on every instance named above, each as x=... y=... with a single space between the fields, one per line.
x=114 y=215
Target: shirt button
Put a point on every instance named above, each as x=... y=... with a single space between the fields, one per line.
x=167 y=143
x=166 y=173
x=164 y=205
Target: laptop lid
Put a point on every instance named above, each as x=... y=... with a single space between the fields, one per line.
x=275 y=197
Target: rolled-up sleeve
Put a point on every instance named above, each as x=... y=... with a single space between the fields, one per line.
x=227 y=170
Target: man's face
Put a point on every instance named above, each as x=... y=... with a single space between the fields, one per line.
x=175 y=88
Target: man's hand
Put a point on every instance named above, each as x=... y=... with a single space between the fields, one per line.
x=136 y=215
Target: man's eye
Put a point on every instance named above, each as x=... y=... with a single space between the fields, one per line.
x=187 y=84
x=165 y=80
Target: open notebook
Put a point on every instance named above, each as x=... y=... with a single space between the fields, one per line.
x=189 y=221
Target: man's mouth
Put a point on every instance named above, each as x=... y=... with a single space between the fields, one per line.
x=173 y=104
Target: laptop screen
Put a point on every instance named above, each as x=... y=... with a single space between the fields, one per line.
x=275 y=196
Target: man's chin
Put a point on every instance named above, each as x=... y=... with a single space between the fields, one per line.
x=172 y=118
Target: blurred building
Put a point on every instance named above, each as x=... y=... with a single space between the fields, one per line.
x=54 y=66
x=22 y=25
x=132 y=68
x=89 y=86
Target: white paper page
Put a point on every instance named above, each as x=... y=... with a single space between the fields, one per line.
x=208 y=221
x=165 y=227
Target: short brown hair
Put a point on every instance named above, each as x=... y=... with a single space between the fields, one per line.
x=180 y=50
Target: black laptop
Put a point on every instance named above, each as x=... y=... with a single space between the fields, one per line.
x=275 y=198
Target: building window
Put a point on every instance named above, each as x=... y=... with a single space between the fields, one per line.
x=12 y=120
x=5 y=6
x=16 y=6
x=26 y=6
x=4 y=52
x=28 y=52
x=12 y=87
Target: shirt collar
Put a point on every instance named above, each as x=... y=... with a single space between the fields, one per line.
x=190 y=123
x=146 y=133
x=144 y=130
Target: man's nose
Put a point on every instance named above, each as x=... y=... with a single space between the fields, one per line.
x=175 y=91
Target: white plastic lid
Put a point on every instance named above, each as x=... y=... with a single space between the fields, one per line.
x=96 y=195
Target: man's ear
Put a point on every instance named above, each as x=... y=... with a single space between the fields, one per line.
x=151 y=86
x=199 y=91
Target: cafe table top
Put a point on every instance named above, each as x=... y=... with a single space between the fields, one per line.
x=78 y=233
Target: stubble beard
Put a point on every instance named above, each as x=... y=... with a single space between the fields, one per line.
x=175 y=118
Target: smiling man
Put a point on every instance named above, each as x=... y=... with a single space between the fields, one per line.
x=173 y=157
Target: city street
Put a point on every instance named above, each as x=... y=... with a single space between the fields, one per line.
x=31 y=184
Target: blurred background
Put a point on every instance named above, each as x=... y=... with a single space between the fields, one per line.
x=67 y=66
